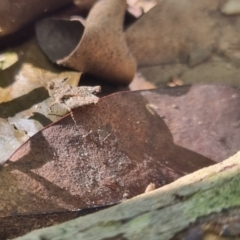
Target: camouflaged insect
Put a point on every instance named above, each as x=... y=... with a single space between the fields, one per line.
x=72 y=97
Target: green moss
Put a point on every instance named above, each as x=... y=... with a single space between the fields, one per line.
x=215 y=199
x=140 y=221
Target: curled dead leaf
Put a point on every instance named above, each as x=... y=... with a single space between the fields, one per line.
x=100 y=49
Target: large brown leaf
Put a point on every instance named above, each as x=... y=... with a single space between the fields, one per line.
x=114 y=150
x=202 y=118
x=191 y=40
x=117 y=147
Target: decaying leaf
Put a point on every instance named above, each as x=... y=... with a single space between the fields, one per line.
x=202 y=118
x=190 y=40
x=24 y=99
x=126 y=143
x=8 y=134
x=115 y=149
x=100 y=49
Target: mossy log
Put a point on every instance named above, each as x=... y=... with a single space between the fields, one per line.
x=200 y=204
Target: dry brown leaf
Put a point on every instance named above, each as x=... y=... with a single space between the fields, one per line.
x=115 y=149
x=24 y=99
x=99 y=49
x=201 y=118
x=190 y=40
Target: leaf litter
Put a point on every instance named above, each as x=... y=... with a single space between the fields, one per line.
x=94 y=161
x=127 y=142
